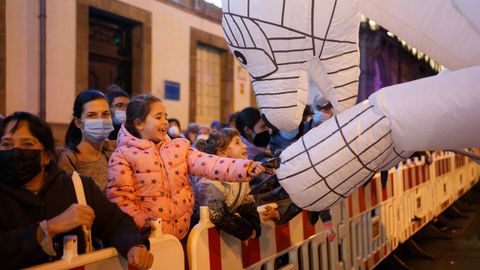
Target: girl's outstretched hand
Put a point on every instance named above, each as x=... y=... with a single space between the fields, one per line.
x=255 y=169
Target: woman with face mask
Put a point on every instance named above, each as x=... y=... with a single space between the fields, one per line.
x=254 y=132
x=87 y=149
x=39 y=203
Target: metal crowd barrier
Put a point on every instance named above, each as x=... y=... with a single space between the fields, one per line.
x=370 y=224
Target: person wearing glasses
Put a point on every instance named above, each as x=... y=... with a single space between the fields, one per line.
x=118 y=101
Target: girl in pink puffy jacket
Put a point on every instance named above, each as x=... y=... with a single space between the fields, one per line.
x=148 y=172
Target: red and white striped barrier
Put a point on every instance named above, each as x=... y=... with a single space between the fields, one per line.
x=370 y=223
x=209 y=248
x=442 y=166
x=369 y=241
x=166 y=249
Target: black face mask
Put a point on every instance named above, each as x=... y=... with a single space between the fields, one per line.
x=19 y=166
x=261 y=139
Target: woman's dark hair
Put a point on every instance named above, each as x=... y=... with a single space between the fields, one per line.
x=217 y=141
x=138 y=109
x=247 y=117
x=74 y=135
x=37 y=126
x=113 y=91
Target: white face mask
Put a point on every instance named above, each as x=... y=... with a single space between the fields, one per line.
x=97 y=130
x=173 y=131
x=119 y=116
x=201 y=137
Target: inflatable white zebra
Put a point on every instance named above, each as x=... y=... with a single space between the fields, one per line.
x=285 y=43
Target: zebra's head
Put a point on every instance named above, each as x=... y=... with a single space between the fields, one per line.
x=281 y=46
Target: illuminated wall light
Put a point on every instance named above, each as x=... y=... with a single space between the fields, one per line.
x=403 y=42
x=414 y=51
x=390 y=34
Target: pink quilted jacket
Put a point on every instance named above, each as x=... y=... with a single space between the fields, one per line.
x=150 y=181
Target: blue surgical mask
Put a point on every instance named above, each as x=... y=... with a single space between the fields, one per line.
x=119 y=116
x=97 y=130
x=289 y=135
x=318 y=117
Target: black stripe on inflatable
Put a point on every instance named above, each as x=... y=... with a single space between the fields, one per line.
x=248 y=31
x=342 y=69
x=348 y=98
x=291 y=63
x=338 y=55
x=286 y=38
x=277 y=93
x=348 y=145
x=275 y=79
x=239 y=30
x=315 y=169
x=328 y=28
x=277 y=107
x=338 y=86
x=233 y=35
x=293 y=50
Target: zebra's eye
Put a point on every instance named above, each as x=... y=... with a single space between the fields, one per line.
x=256 y=61
x=240 y=57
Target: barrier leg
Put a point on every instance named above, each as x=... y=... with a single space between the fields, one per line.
x=463 y=206
x=453 y=212
x=415 y=250
x=394 y=262
x=431 y=231
x=445 y=221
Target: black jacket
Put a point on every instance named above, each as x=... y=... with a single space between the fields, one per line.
x=22 y=210
x=231 y=208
